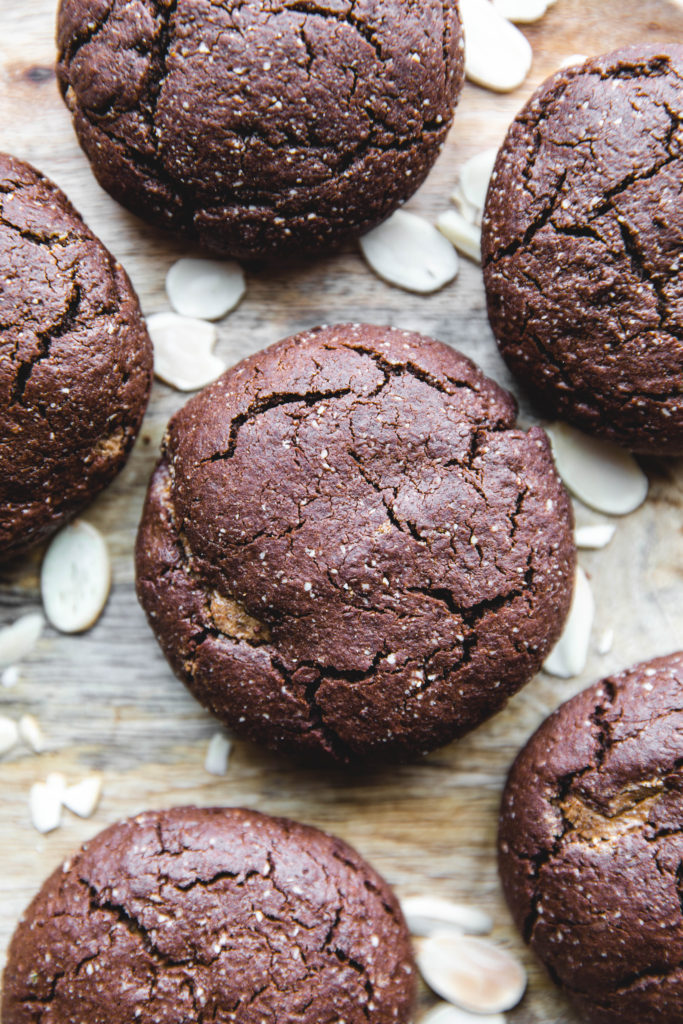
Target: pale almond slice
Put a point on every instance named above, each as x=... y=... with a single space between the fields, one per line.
x=497 y=55
x=19 y=639
x=75 y=577
x=427 y=914
x=569 y=655
x=45 y=802
x=409 y=252
x=206 y=289
x=471 y=214
x=217 y=754
x=10 y=676
x=446 y=1013
x=573 y=59
x=523 y=12
x=83 y=797
x=471 y=973
x=594 y=536
x=32 y=734
x=9 y=734
x=606 y=642
x=475 y=176
x=598 y=472
x=464 y=236
x=183 y=351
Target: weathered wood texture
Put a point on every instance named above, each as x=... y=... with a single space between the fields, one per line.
x=107 y=701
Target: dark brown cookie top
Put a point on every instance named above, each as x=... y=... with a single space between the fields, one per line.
x=191 y=914
x=591 y=845
x=75 y=360
x=582 y=245
x=349 y=549
x=264 y=126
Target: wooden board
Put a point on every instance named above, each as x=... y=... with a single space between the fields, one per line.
x=107 y=700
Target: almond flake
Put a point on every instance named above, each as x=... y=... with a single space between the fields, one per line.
x=445 y=1013
x=409 y=252
x=32 y=734
x=83 y=797
x=75 y=577
x=599 y=473
x=9 y=734
x=427 y=914
x=218 y=751
x=45 y=803
x=183 y=351
x=523 y=12
x=19 y=639
x=475 y=176
x=471 y=973
x=594 y=537
x=569 y=655
x=497 y=55
x=464 y=236
x=206 y=289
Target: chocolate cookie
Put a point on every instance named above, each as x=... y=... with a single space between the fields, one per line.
x=75 y=360
x=216 y=915
x=591 y=845
x=582 y=244
x=263 y=127
x=348 y=549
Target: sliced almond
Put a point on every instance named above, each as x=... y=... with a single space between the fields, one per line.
x=409 y=252
x=475 y=176
x=45 y=803
x=83 y=797
x=606 y=642
x=464 y=236
x=569 y=655
x=9 y=734
x=75 y=577
x=10 y=676
x=32 y=734
x=471 y=973
x=183 y=351
x=594 y=537
x=206 y=289
x=524 y=12
x=427 y=914
x=573 y=59
x=19 y=639
x=497 y=56
x=446 y=1013
x=217 y=754
x=599 y=473
x=471 y=213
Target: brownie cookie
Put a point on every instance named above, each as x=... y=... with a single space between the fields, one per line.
x=191 y=915
x=582 y=245
x=348 y=549
x=75 y=360
x=591 y=845
x=264 y=127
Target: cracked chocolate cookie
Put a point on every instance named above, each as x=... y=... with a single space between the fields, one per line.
x=349 y=550
x=591 y=845
x=192 y=914
x=582 y=246
x=264 y=127
x=75 y=360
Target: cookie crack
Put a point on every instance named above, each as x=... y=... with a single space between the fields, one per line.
x=265 y=404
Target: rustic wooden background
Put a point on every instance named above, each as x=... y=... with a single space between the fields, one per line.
x=107 y=700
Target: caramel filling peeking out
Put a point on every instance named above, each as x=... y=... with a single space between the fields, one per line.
x=628 y=811
x=234 y=621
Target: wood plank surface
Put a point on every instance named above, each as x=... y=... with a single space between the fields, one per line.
x=108 y=702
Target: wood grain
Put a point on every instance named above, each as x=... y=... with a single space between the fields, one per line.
x=107 y=700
